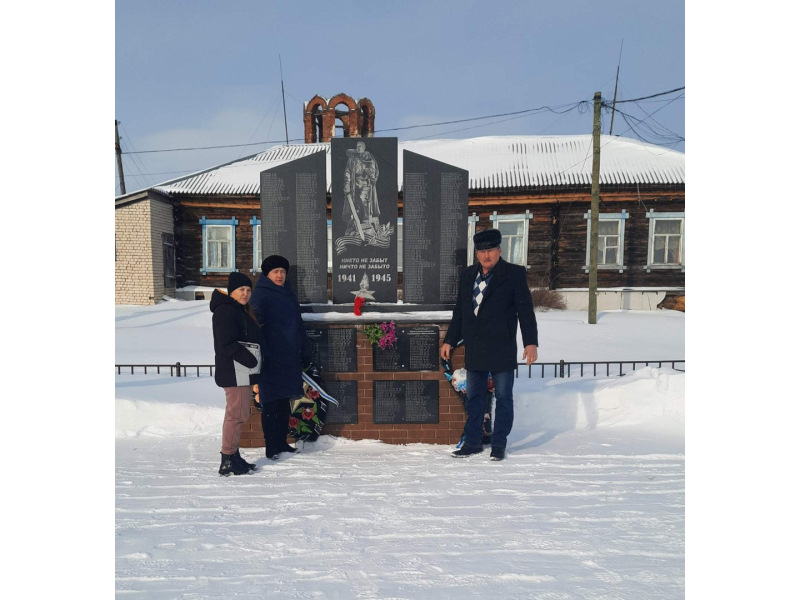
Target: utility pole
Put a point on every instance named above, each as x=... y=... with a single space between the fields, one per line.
x=594 y=219
x=119 y=158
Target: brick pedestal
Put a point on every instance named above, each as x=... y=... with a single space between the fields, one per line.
x=451 y=410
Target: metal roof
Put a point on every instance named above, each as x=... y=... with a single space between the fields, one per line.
x=495 y=164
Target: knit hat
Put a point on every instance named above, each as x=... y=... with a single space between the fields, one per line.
x=487 y=239
x=237 y=280
x=274 y=262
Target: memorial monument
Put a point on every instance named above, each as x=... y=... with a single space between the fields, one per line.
x=395 y=393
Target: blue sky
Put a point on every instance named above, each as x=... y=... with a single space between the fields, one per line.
x=202 y=73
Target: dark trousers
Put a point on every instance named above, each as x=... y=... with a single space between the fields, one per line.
x=503 y=408
x=275 y=423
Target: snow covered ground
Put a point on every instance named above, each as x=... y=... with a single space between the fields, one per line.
x=590 y=502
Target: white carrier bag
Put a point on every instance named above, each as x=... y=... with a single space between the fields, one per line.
x=243 y=373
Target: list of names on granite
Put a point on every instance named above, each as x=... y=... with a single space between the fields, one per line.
x=405 y=402
x=435 y=197
x=334 y=349
x=389 y=359
x=416 y=349
x=346 y=393
x=423 y=348
x=452 y=232
x=294 y=223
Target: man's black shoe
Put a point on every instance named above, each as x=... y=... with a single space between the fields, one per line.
x=467 y=450
x=498 y=453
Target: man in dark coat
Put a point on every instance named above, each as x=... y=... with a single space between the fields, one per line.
x=287 y=351
x=493 y=296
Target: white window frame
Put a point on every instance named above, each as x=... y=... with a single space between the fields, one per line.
x=256 y=223
x=496 y=218
x=665 y=216
x=205 y=224
x=620 y=217
x=330 y=245
x=472 y=222
x=399 y=244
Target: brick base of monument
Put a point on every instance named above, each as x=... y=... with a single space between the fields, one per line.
x=451 y=410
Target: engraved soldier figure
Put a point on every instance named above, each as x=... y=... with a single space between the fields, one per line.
x=361 y=209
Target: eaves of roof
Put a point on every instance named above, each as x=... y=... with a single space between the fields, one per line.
x=496 y=164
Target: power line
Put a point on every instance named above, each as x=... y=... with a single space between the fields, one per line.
x=668 y=138
x=519 y=112
x=134 y=159
x=659 y=136
x=652 y=96
x=560 y=109
x=212 y=147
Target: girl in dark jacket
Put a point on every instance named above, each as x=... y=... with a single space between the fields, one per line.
x=287 y=350
x=233 y=323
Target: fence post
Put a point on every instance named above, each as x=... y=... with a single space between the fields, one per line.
x=178 y=368
x=561 y=368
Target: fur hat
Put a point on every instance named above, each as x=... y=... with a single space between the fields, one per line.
x=237 y=280
x=487 y=239
x=274 y=262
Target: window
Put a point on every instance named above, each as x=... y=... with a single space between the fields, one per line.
x=256 y=223
x=399 y=245
x=514 y=229
x=168 y=246
x=219 y=245
x=330 y=246
x=665 y=244
x=610 y=240
x=472 y=220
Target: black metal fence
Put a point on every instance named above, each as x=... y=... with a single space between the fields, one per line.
x=563 y=368
x=560 y=369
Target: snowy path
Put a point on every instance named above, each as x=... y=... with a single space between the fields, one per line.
x=325 y=523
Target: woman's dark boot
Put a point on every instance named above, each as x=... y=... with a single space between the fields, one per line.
x=238 y=458
x=230 y=465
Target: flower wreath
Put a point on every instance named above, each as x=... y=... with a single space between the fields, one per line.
x=383 y=335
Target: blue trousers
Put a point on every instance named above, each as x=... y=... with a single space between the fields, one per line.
x=503 y=409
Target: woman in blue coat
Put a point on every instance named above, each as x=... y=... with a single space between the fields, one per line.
x=286 y=352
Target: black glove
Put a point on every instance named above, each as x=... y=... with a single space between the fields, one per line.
x=256 y=403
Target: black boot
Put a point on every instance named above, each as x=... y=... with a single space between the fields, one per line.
x=287 y=448
x=275 y=424
x=230 y=465
x=238 y=458
x=267 y=425
x=467 y=451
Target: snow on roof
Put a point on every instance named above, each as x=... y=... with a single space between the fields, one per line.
x=495 y=164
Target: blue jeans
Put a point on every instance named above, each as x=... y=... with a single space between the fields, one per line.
x=503 y=409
